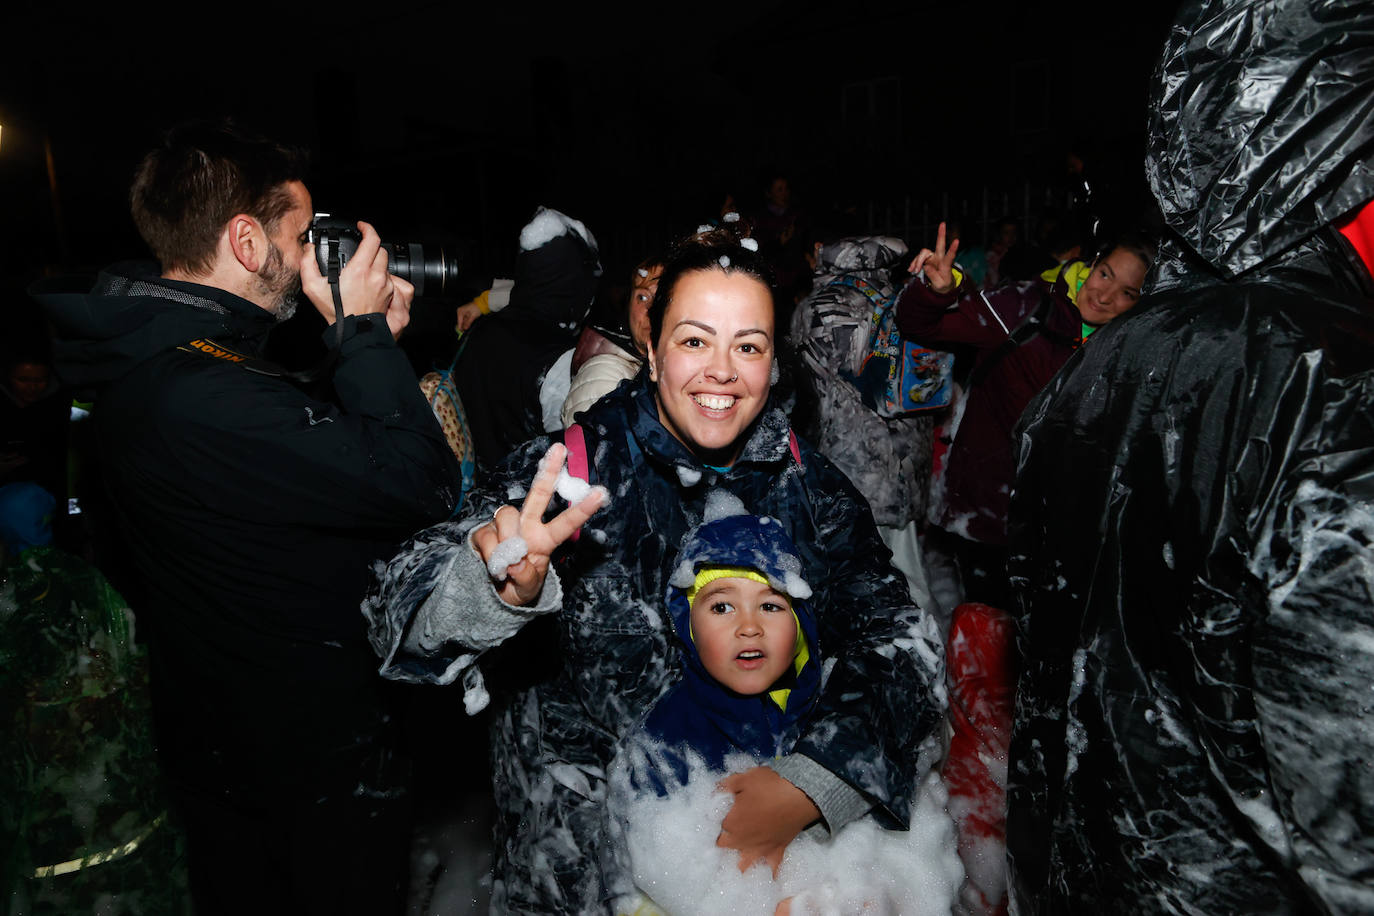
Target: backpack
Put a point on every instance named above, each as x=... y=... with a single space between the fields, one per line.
x=442 y=394
x=897 y=377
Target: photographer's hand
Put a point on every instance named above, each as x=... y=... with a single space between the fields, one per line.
x=364 y=284
x=398 y=313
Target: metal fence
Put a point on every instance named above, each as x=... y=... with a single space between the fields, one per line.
x=915 y=219
x=910 y=217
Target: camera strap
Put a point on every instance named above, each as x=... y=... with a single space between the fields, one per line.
x=204 y=346
x=331 y=245
x=207 y=347
x=332 y=268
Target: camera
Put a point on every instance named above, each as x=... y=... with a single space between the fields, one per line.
x=429 y=268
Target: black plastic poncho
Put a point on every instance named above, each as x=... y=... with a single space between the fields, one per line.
x=1195 y=507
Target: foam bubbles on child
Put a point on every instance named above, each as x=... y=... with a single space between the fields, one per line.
x=863 y=868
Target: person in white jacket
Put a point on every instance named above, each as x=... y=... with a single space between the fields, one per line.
x=600 y=363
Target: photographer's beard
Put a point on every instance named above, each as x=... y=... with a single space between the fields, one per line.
x=279 y=284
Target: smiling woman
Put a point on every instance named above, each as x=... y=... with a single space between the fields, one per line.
x=711 y=352
x=698 y=421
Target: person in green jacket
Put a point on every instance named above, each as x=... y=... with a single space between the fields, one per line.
x=81 y=807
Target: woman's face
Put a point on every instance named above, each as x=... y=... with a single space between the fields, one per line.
x=1112 y=287
x=712 y=361
x=641 y=297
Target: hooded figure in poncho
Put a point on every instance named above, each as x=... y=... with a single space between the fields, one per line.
x=514 y=363
x=1194 y=508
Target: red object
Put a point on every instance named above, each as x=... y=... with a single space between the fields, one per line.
x=980 y=659
x=592 y=342
x=1359 y=230
x=576 y=443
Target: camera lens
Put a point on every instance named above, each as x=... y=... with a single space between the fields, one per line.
x=432 y=270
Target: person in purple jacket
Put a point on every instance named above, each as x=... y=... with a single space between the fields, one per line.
x=1020 y=335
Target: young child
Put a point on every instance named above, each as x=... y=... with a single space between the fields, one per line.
x=738 y=606
x=752 y=668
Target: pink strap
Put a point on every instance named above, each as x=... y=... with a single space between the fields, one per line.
x=576 y=442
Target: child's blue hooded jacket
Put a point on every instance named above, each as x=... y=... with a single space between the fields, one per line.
x=700 y=715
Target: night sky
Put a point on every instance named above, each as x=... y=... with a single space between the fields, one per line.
x=453 y=121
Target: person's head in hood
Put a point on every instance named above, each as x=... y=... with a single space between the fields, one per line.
x=740 y=608
x=556 y=274
x=743 y=628
x=748 y=640
x=1261 y=133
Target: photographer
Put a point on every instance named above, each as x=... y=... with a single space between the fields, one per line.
x=251 y=513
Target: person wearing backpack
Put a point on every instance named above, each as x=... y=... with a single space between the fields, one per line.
x=564 y=637
x=1021 y=333
x=887 y=458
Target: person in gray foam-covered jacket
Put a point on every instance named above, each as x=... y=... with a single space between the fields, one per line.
x=887 y=459
x=598 y=652
x=1193 y=517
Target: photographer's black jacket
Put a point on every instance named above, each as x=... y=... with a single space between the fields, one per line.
x=251 y=512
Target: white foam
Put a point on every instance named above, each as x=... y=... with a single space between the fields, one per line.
x=548 y=225
x=573 y=489
x=721 y=504
x=683 y=576
x=507 y=553
x=863 y=868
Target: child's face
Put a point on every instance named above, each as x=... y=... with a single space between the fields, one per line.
x=744 y=632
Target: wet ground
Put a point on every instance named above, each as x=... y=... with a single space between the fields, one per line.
x=450 y=861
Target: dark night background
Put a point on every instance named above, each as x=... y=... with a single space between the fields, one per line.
x=452 y=121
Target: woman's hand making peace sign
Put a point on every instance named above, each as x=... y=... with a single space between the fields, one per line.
x=525 y=577
x=938 y=264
